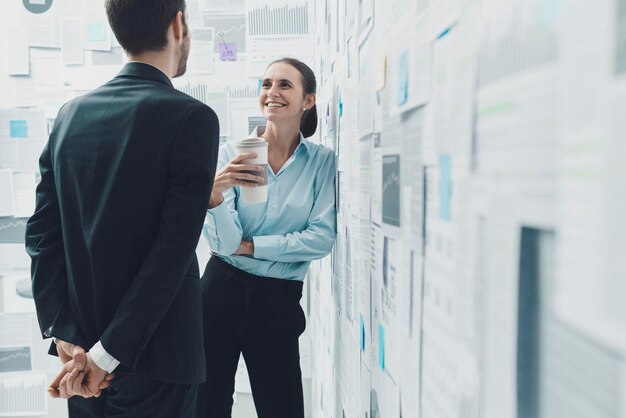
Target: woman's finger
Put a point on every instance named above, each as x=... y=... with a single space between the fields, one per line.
x=238 y=168
x=242 y=157
x=250 y=177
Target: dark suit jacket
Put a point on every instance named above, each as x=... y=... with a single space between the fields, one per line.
x=125 y=183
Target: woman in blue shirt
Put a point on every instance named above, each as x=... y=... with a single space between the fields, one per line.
x=253 y=283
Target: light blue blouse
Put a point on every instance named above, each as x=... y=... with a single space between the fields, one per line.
x=297 y=224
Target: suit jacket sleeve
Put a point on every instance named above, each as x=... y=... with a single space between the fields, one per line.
x=152 y=291
x=44 y=244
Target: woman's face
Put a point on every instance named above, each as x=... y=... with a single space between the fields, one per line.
x=282 y=94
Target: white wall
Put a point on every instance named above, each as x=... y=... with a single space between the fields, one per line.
x=480 y=250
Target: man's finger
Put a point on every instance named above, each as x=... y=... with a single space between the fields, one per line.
x=63 y=350
x=77 y=386
x=57 y=380
x=79 y=356
x=69 y=382
x=62 y=388
x=53 y=392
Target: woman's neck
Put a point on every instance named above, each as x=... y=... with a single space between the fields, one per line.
x=282 y=139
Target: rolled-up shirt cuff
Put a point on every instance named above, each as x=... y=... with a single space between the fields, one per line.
x=267 y=247
x=103 y=360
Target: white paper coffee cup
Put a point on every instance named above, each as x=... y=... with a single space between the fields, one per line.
x=255 y=194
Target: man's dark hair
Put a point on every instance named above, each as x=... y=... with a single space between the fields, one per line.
x=141 y=25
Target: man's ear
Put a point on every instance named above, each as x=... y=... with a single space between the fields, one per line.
x=177 y=26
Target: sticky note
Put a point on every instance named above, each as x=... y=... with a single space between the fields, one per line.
x=381 y=346
x=362 y=333
x=96 y=32
x=228 y=51
x=445 y=187
x=18 y=128
x=403 y=78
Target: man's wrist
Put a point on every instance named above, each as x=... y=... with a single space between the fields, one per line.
x=102 y=359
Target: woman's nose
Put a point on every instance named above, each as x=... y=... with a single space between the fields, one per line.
x=273 y=91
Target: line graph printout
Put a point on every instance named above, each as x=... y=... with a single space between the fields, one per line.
x=229 y=29
x=15 y=359
x=269 y=21
x=391 y=189
x=12 y=230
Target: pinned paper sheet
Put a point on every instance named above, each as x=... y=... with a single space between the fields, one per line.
x=201 y=61
x=381 y=76
x=445 y=187
x=18 y=54
x=24 y=186
x=23 y=395
x=96 y=32
x=381 y=346
x=71 y=41
x=362 y=333
x=6 y=193
x=403 y=78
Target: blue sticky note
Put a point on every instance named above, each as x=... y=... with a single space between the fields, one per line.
x=18 y=128
x=403 y=78
x=96 y=32
x=381 y=346
x=362 y=333
x=445 y=187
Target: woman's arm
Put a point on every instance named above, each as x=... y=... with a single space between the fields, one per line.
x=223 y=229
x=314 y=242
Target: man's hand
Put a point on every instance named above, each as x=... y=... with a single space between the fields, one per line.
x=87 y=382
x=68 y=351
x=245 y=248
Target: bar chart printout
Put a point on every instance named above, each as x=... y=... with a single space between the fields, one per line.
x=23 y=395
x=273 y=22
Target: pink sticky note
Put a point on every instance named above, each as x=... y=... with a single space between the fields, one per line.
x=228 y=51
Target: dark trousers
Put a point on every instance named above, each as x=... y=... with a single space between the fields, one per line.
x=260 y=317
x=135 y=396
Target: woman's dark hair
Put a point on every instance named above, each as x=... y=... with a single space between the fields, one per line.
x=308 y=125
x=141 y=25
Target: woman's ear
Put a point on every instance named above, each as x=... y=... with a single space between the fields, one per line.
x=309 y=100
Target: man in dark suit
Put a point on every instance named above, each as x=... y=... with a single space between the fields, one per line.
x=125 y=183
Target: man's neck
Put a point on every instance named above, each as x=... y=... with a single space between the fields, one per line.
x=155 y=59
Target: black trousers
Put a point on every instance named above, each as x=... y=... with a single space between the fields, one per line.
x=260 y=317
x=136 y=396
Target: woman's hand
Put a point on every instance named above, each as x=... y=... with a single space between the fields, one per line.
x=245 y=248
x=235 y=173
